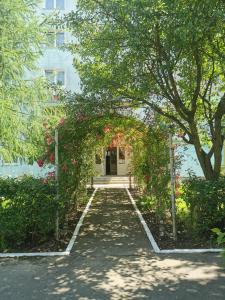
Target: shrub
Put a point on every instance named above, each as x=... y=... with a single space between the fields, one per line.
x=220 y=238
x=27 y=211
x=206 y=202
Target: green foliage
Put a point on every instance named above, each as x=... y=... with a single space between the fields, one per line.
x=23 y=94
x=206 y=201
x=150 y=167
x=165 y=54
x=87 y=129
x=220 y=238
x=27 y=212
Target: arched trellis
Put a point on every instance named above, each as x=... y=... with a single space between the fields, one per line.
x=77 y=136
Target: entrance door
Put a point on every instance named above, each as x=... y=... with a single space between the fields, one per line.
x=111 y=161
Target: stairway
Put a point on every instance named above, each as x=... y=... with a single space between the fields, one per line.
x=112 y=181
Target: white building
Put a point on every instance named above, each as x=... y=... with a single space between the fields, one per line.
x=57 y=65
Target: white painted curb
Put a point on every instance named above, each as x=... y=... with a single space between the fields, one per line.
x=155 y=245
x=34 y=254
x=210 y=250
x=77 y=229
x=147 y=230
x=59 y=253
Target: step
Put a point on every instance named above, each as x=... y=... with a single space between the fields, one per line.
x=112 y=180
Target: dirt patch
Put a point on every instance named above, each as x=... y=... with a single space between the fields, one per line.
x=163 y=232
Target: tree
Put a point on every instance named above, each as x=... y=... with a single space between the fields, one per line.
x=164 y=54
x=22 y=99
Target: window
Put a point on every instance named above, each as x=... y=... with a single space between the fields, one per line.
x=121 y=155
x=57 y=77
x=60 y=78
x=49 y=4
x=58 y=4
x=55 y=39
x=50 y=76
x=50 y=39
x=60 y=39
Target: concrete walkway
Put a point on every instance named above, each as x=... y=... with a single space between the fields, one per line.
x=112 y=259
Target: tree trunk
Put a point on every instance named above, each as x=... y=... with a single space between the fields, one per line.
x=205 y=163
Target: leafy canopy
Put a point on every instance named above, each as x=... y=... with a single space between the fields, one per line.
x=168 y=55
x=22 y=97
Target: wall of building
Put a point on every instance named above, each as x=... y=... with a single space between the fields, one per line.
x=123 y=168
x=56 y=59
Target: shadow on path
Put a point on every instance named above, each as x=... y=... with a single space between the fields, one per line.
x=112 y=259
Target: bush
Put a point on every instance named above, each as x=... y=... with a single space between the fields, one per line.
x=27 y=211
x=206 y=202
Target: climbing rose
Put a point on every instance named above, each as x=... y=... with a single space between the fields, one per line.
x=52 y=157
x=51 y=174
x=40 y=162
x=106 y=129
x=178 y=193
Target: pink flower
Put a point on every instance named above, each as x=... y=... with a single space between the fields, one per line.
x=52 y=157
x=106 y=129
x=62 y=122
x=51 y=174
x=40 y=162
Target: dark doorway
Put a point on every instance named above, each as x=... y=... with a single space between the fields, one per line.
x=111 y=161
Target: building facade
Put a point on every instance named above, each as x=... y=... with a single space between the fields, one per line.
x=56 y=65
x=113 y=161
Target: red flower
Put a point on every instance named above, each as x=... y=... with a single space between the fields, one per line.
x=52 y=158
x=106 y=129
x=178 y=193
x=40 y=162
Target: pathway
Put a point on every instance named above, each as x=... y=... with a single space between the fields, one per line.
x=112 y=260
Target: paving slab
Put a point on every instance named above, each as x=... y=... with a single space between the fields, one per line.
x=112 y=259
